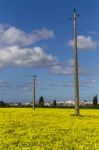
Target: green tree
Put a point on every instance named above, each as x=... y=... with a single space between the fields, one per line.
x=41 y=101
x=2 y=104
x=95 y=100
x=54 y=103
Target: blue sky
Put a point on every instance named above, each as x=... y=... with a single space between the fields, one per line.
x=36 y=37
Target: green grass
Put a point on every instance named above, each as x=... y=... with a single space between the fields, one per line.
x=48 y=129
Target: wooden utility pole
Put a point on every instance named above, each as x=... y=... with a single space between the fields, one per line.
x=77 y=112
x=34 y=77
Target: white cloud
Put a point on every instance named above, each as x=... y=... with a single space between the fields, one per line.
x=27 y=86
x=3 y=81
x=71 y=62
x=68 y=69
x=61 y=70
x=4 y=84
x=84 y=42
x=32 y=57
x=14 y=50
x=10 y=35
x=88 y=83
x=92 y=32
x=91 y=81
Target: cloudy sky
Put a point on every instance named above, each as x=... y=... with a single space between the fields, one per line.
x=36 y=37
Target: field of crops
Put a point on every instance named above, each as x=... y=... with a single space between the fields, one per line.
x=48 y=129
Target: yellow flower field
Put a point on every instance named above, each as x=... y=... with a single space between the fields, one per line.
x=48 y=129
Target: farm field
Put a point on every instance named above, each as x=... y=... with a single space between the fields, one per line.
x=48 y=129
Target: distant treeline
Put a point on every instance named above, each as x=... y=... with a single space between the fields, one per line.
x=7 y=105
x=40 y=104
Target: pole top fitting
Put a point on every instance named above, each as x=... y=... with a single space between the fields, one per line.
x=74 y=10
x=34 y=76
